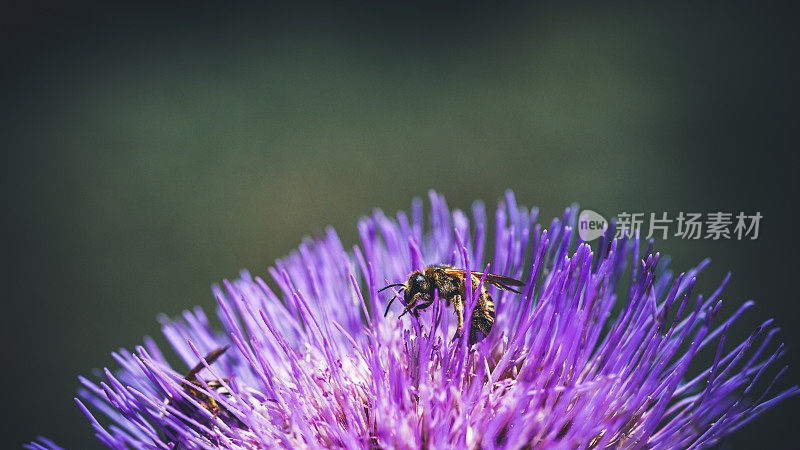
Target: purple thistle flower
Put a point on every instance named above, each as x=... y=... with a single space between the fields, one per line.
x=580 y=359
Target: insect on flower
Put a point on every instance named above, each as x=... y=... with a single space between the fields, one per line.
x=195 y=387
x=591 y=359
x=450 y=283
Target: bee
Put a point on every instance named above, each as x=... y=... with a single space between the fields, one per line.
x=194 y=387
x=450 y=282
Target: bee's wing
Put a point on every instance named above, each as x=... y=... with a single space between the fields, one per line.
x=210 y=358
x=500 y=281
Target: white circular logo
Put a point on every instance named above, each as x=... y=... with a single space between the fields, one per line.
x=591 y=225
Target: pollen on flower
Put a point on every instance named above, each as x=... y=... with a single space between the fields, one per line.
x=581 y=358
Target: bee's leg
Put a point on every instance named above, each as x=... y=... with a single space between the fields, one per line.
x=459 y=307
x=425 y=303
x=409 y=306
x=421 y=306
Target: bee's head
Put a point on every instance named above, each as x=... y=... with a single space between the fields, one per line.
x=417 y=284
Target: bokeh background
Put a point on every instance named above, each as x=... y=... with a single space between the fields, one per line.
x=152 y=151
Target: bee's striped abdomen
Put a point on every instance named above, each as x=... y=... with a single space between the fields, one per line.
x=482 y=316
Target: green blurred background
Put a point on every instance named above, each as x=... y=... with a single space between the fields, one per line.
x=152 y=151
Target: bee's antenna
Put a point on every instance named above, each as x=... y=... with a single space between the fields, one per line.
x=387 y=306
x=391 y=285
x=210 y=358
x=390 y=301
